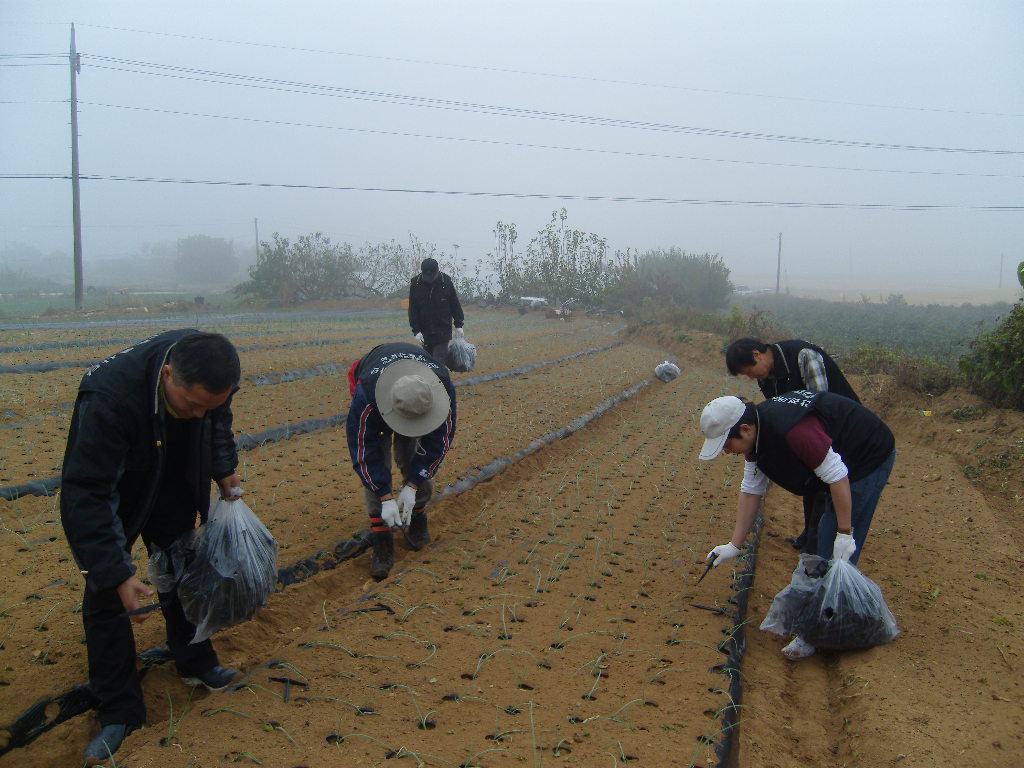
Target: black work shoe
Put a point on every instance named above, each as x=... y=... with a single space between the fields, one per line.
x=799 y=542
x=418 y=536
x=383 y=555
x=215 y=678
x=106 y=743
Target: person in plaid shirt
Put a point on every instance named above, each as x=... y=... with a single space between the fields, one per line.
x=788 y=366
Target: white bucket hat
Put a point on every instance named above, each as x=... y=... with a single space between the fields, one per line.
x=717 y=418
x=411 y=398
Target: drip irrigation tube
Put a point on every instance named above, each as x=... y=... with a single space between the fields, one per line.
x=735 y=647
x=192 y=319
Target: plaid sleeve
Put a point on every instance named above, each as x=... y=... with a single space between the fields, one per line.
x=812 y=368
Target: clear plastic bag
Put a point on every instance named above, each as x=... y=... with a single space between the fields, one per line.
x=167 y=565
x=666 y=371
x=846 y=611
x=789 y=603
x=227 y=567
x=461 y=356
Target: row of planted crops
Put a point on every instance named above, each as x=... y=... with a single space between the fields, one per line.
x=556 y=618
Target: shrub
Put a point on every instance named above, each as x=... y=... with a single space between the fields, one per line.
x=918 y=373
x=994 y=368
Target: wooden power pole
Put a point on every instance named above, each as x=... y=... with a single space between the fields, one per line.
x=76 y=203
x=778 y=266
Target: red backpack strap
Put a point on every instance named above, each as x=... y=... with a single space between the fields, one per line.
x=352 y=380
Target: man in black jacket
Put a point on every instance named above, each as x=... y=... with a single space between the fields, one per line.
x=150 y=429
x=433 y=307
x=787 y=366
x=804 y=441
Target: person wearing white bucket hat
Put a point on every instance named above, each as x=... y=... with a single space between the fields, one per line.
x=403 y=405
x=803 y=441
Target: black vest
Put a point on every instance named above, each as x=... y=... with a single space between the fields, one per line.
x=862 y=439
x=786 y=376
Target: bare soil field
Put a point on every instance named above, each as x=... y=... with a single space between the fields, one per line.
x=556 y=618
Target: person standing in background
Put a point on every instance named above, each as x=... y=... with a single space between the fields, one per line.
x=433 y=308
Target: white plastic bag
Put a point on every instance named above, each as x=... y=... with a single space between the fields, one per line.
x=461 y=356
x=231 y=571
x=789 y=603
x=666 y=371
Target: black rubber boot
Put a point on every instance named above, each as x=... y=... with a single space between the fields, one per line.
x=800 y=541
x=418 y=535
x=106 y=743
x=383 y=555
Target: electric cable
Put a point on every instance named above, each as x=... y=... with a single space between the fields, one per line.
x=586 y=78
x=264 y=83
x=527 y=195
x=527 y=145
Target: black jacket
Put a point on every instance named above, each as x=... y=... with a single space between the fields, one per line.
x=433 y=307
x=368 y=433
x=786 y=375
x=861 y=438
x=116 y=454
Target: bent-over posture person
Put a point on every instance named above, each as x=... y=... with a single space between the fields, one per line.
x=403 y=404
x=801 y=441
x=150 y=430
x=787 y=366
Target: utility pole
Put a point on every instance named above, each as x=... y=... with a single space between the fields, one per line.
x=778 y=266
x=76 y=203
x=256 y=227
x=1000 y=270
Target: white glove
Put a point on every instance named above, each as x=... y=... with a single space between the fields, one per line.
x=723 y=552
x=419 y=337
x=406 y=501
x=389 y=513
x=843 y=547
x=458 y=333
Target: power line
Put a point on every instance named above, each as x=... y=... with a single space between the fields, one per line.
x=527 y=145
x=610 y=81
x=529 y=195
x=264 y=83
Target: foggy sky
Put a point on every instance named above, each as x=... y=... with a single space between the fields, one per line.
x=585 y=99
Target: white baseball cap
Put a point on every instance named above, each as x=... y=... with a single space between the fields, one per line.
x=717 y=418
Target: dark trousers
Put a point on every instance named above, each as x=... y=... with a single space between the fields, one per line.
x=109 y=637
x=404 y=449
x=864 y=496
x=438 y=351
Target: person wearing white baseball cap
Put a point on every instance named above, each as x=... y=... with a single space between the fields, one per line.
x=403 y=404
x=801 y=441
